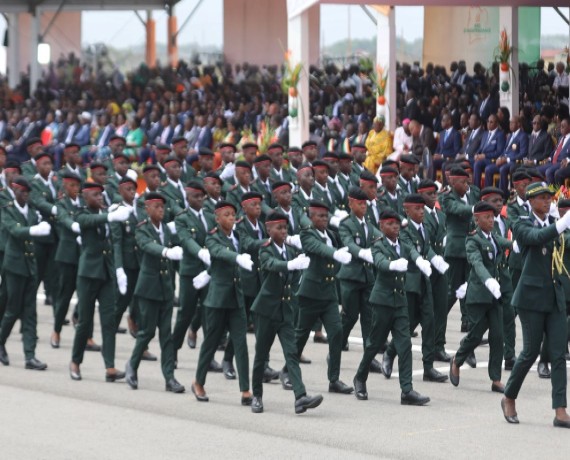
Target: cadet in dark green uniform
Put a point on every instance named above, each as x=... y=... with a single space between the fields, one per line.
x=173 y=190
x=389 y=195
x=180 y=150
x=486 y=255
x=213 y=186
x=274 y=315
x=120 y=168
x=96 y=279
x=278 y=172
x=407 y=172
x=224 y=304
x=154 y=292
x=34 y=146
x=540 y=301
x=368 y=182
x=21 y=223
x=563 y=208
x=389 y=310
x=358 y=153
x=72 y=160
x=243 y=176
x=304 y=193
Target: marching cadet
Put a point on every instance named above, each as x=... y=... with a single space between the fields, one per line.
x=162 y=152
x=43 y=198
x=173 y=189
x=321 y=189
x=334 y=184
x=34 y=146
x=369 y=185
x=262 y=183
x=274 y=315
x=180 y=151
x=224 y=304
x=310 y=151
x=357 y=277
x=227 y=168
x=151 y=175
x=282 y=197
x=435 y=222
x=243 y=178
x=116 y=146
x=22 y=226
x=406 y=182
x=154 y=292
x=96 y=279
x=278 y=172
x=358 y=156
x=206 y=163
x=120 y=168
x=389 y=195
x=304 y=193
x=389 y=310
x=98 y=172
x=67 y=252
x=72 y=160
x=494 y=196
x=540 y=302
x=317 y=294
x=295 y=159
x=213 y=185
x=563 y=208
x=485 y=255
x=344 y=172
x=418 y=287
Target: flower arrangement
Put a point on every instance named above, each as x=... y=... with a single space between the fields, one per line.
x=503 y=56
x=560 y=193
x=266 y=136
x=380 y=81
x=291 y=76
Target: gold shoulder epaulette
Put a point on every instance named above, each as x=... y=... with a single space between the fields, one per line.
x=142 y=222
x=214 y=230
x=267 y=243
x=378 y=238
x=239 y=220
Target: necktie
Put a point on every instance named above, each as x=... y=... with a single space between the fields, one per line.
x=291 y=219
x=203 y=220
x=434 y=214
x=183 y=192
x=364 y=229
x=267 y=187
x=445 y=136
x=409 y=185
x=493 y=244
x=284 y=254
x=558 y=150
x=421 y=232
x=397 y=248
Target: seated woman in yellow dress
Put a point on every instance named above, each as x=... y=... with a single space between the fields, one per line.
x=379 y=145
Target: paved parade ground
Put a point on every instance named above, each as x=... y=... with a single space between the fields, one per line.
x=46 y=415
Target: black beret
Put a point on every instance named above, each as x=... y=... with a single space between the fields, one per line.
x=196 y=186
x=68 y=175
x=426 y=184
x=308 y=144
x=120 y=155
x=276 y=145
x=128 y=180
x=251 y=196
x=368 y=176
x=330 y=156
x=170 y=159
x=491 y=191
x=205 y=151
x=280 y=184
x=72 y=145
x=215 y=176
x=344 y=156
x=249 y=145
x=97 y=164
x=13 y=164
x=414 y=198
x=409 y=159
x=116 y=137
x=243 y=164
x=43 y=155
x=91 y=186
x=358 y=146
x=482 y=207
x=564 y=204
x=276 y=217
x=152 y=196
x=32 y=141
x=520 y=176
x=148 y=168
x=458 y=172
x=228 y=144
x=389 y=171
x=388 y=214
x=536 y=174
x=318 y=204
x=163 y=147
x=224 y=204
x=356 y=193
x=320 y=163
x=178 y=139
x=391 y=163
x=294 y=149
x=261 y=159
x=21 y=182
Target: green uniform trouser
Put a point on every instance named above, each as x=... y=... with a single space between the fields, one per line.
x=129 y=300
x=189 y=300
x=483 y=317
x=515 y=276
x=458 y=273
x=20 y=304
x=535 y=325
x=509 y=327
x=3 y=290
x=66 y=285
x=265 y=331
x=197 y=318
x=45 y=258
x=439 y=287
x=310 y=310
x=217 y=320
x=385 y=320
x=354 y=297
x=153 y=314
x=90 y=290
x=420 y=311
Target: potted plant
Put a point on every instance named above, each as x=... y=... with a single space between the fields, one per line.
x=380 y=81
x=503 y=57
x=289 y=83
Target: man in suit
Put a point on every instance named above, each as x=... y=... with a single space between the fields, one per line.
x=564 y=145
x=492 y=146
x=540 y=143
x=489 y=103
x=448 y=146
x=389 y=310
x=422 y=139
x=274 y=314
x=540 y=302
x=473 y=143
x=557 y=156
x=23 y=227
x=154 y=292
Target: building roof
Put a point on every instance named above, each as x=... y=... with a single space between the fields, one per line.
x=21 y=6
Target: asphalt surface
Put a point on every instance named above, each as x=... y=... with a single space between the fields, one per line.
x=46 y=415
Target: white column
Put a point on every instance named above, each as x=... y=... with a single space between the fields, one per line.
x=386 y=57
x=13 y=56
x=298 y=44
x=509 y=20
x=34 y=39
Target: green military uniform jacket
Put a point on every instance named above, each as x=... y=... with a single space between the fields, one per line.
x=459 y=221
x=514 y=211
x=259 y=187
x=285 y=175
x=174 y=197
x=96 y=259
x=437 y=230
x=250 y=243
x=404 y=187
x=355 y=238
x=29 y=169
x=80 y=172
x=155 y=275
x=387 y=202
x=389 y=286
x=192 y=235
x=209 y=205
x=112 y=187
x=188 y=173
x=320 y=194
x=295 y=228
x=125 y=250
x=370 y=216
x=301 y=205
x=234 y=196
x=355 y=174
x=67 y=247
x=5 y=199
x=341 y=199
x=418 y=247
x=43 y=200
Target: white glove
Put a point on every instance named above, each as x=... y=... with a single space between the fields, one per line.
x=563 y=223
x=494 y=287
x=294 y=240
x=440 y=265
x=113 y=207
x=121 y=214
x=334 y=221
x=424 y=266
x=444 y=242
x=204 y=256
x=516 y=248
x=245 y=262
x=366 y=255
x=172 y=227
x=400 y=265
x=75 y=228
x=54 y=210
x=201 y=280
x=404 y=223
x=300 y=262
x=42 y=229
x=121 y=280
x=342 y=255
x=340 y=214
x=461 y=291
x=554 y=210
x=174 y=253
x=79 y=240
x=132 y=174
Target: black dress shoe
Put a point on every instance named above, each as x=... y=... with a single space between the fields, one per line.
x=304 y=360
x=307 y=402
x=496 y=388
x=561 y=423
x=35 y=364
x=471 y=360
x=191 y=340
x=54 y=343
x=131 y=376
x=387 y=364
x=285 y=381
x=464 y=326
x=48 y=300
x=121 y=330
x=414 y=334
x=543 y=370
x=214 y=366
x=4 y=356
x=92 y=347
x=508 y=418
x=246 y=400
x=441 y=356
x=340 y=387
x=509 y=364
x=117 y=375
x=66 y=322
x=174 y=386
x=384 y=347
x=360 y=389
x=413 y=398
x=320 y=339
x=200 y=398
x=433 y=375
x=270 y=375
x=148 y=356
x=74 y=375
x=228 y=369
x=454 y=379
x=257 y=405
x=345 y=347
x=375 y=366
